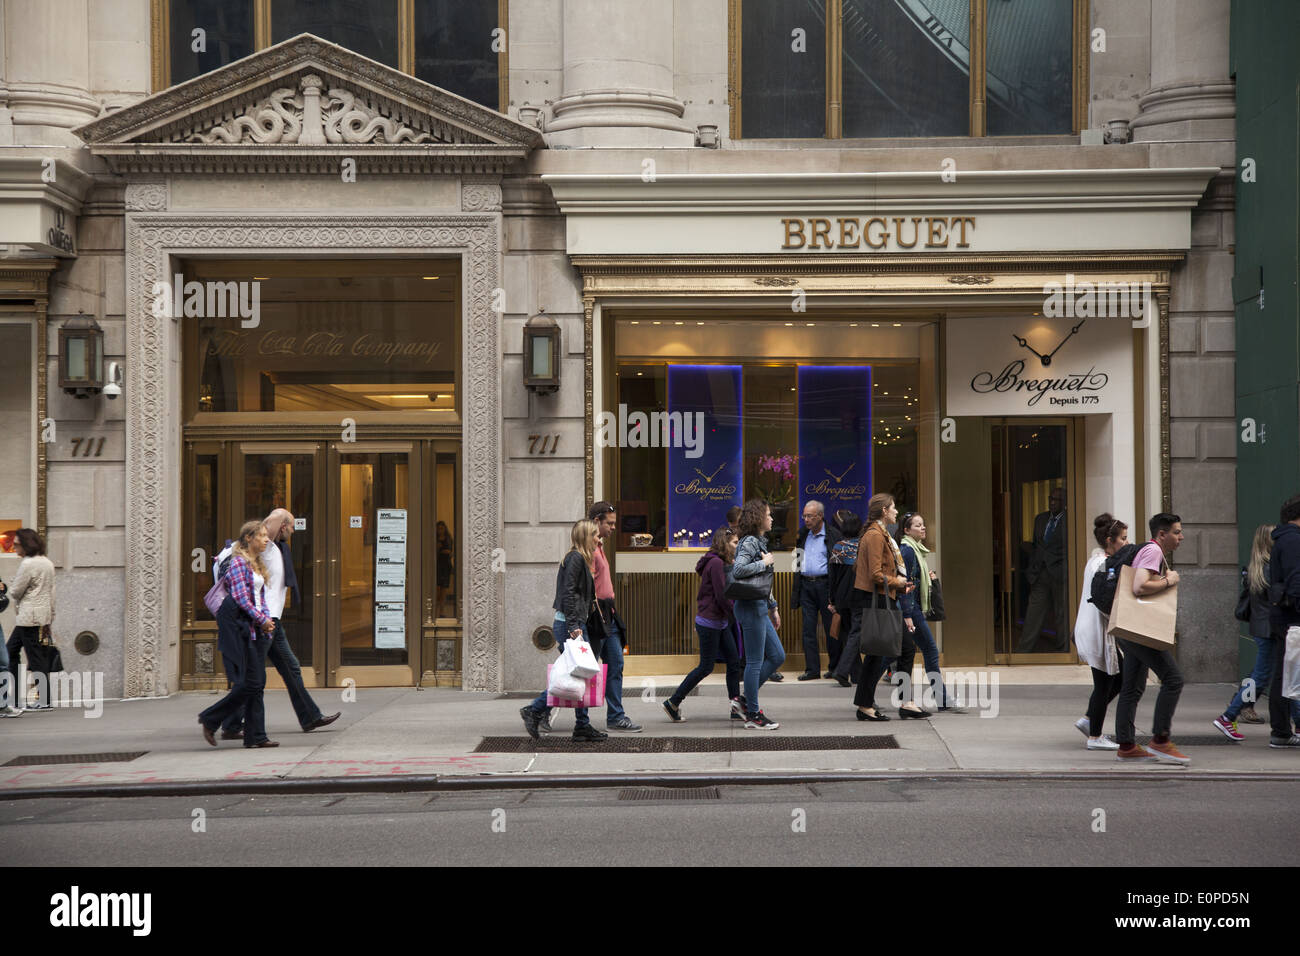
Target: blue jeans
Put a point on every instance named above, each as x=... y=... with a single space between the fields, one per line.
x=1261 y=675
x=712 y=641
x=763 y=650
x=929 y=656
x=246 y=664
x=282 y=658
x=580 y=718
x=611 y=652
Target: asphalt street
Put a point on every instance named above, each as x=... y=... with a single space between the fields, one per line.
x=1192 y=822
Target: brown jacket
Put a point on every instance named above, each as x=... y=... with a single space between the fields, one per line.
x=876 y=565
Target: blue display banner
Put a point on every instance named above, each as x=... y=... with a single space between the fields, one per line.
x=706 y=444
x=835 y=437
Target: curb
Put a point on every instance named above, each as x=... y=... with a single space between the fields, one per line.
x=458 y=783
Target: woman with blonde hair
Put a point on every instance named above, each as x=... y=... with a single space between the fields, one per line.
x=576 y=616
x=1254 y=584
x=244 y=633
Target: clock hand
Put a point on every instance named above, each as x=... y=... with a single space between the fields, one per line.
x=1067 y=338
x=1026 y=345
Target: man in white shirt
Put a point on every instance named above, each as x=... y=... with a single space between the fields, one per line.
x=280 y=581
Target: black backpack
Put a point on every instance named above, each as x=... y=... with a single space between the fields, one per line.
x=1106 y=581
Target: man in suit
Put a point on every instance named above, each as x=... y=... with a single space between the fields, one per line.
x=1047 y=577
x=281 y=582
x=811 y=591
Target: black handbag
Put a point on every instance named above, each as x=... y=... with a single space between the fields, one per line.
x=1242 y=612
x=754 y=588
x=53 y=662
x=880 y=632
x=4 y=599
x=936 y=612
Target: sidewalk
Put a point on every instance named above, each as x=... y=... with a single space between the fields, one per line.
x=405 y=732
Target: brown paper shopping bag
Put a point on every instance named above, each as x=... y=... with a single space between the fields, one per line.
x=1143 y=620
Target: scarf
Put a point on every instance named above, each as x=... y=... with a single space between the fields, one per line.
x=920 y=550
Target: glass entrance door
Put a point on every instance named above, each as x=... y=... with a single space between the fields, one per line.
x=1032 y=548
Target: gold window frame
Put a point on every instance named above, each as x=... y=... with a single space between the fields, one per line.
x=160 y=45
x=978 y=72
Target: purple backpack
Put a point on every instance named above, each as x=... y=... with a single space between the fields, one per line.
x=216 y=595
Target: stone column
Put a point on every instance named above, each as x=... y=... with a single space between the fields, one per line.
x=1191 y=98
x=46 y=77
x=618 y=77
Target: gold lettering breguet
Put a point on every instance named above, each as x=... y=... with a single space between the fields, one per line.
x=874 y=232
x=235 y=343
x=706 y=492
x=830 y=489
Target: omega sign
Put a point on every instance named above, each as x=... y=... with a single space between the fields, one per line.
x=1039 y=366
x=57 y=237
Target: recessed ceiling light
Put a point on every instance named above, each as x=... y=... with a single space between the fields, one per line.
x=875 y=325
x=635 y=322
x=898 y=325
x=679 y=323
x=853 y=325
x=811 y=324
x=640 y=373
x=699 y=323
x=260 y=278
x=428 y=278
x=789 y=324
x=657 y=322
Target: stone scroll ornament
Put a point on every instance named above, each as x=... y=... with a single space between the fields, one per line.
x=287 y=117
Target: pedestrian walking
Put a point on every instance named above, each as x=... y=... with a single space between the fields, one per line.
x=8 y=689
x=1284 y=614
x=916 y=606
x=811 y=591
x=843 y=561
x=281 y=584
x=1096 y=647
x=244 y=629
x=32 y=593
x=602 y=513
x=758 y=617
x=880 y=572
x=1254 y=590
x=714 y=618
x=1151 y=576
x=576 y=613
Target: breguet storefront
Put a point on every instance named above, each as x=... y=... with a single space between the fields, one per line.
x=829 y=336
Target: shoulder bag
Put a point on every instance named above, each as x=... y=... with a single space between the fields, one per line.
x=754 y=588
x=936 y=612
x=53 y=659
x=881 y=629
x=1242 y=613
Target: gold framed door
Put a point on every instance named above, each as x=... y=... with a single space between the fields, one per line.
x=1035 y=573
x=373 y=535
x=292 y=475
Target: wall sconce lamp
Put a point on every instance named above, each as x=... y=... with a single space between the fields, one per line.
x=541 y=354
x=81 y=356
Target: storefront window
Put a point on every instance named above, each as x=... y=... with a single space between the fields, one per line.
x=784 y=76
x=368 y=27
x=457 y=47
x=1030 y=58
x=206 y=34
x=328 y=337
x=805 y=427
x=16 y=437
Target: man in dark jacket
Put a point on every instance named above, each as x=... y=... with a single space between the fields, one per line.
x=811 y=592
x=1047 y=577
x=1284 y=613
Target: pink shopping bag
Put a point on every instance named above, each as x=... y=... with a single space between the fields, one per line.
x=595 y=696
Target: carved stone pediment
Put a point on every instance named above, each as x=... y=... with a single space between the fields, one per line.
x=302 y=106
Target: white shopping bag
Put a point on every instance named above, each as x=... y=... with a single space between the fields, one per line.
x=1291 y=664
x=578 y=655
x=561 y=684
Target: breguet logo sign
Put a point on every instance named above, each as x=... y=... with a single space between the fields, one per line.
x=1041 y=366
x=707 y=486
x=836 y=487
x=1014 y=378
x=891 y=233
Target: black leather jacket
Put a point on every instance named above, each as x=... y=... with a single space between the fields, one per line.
x=575 y=590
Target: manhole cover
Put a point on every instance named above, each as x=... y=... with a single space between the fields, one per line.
x=563 y=743
x=669 y=793
x=28 y=760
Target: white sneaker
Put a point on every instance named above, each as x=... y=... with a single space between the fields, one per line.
x=10 y=712
x=1104 y=742
x=1084 y=726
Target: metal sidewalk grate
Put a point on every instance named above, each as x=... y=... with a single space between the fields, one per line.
x=669 y=793
x=31 y=760
x=563 y=743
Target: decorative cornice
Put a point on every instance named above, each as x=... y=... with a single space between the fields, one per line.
x=301 y=106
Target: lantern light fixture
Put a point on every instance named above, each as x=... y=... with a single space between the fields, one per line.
x=81 y=356
x=541 y=354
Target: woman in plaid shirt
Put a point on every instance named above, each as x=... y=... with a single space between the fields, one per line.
x=244 y=632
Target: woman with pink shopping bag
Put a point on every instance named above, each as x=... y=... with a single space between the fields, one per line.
x=576 y=616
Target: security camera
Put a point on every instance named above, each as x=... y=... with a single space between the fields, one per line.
x=113 y=387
